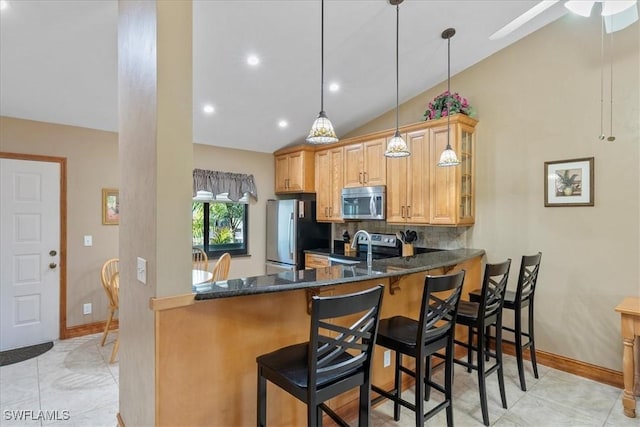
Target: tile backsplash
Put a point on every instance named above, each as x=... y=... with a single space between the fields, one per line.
x=428 y=237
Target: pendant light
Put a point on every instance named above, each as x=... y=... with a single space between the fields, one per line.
x=448 y=156
x=397 y=147
x=322 y=130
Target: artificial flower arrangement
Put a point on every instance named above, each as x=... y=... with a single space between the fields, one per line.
x=447 y=103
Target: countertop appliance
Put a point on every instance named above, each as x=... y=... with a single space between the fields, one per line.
x=364 y=202
x=292 y=228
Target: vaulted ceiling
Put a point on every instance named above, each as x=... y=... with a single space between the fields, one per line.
x=58 y=61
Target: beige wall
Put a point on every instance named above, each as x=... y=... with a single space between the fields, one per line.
x=261 y=165
x=92 y=164
x=539 y=100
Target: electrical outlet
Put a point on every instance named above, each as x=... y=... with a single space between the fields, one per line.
x=142 y=270
x=86 y=308
x=387 y=358
x=88 y=240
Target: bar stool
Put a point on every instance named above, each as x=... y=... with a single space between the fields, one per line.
x=517 y=301
x=478 y=317
x=420 y=339
x=335 y=360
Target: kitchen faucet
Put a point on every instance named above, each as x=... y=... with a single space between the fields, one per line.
x=354 y=244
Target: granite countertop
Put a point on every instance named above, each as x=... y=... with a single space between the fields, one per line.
x=334 y=275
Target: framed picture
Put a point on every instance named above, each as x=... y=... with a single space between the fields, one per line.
x=568 y=182
x=110 y=206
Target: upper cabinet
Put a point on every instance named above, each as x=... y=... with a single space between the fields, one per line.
x=365 y=163
x=452 y=189
x=329 y=180
x=295 y=172
x=408 y=181
x=418 y=190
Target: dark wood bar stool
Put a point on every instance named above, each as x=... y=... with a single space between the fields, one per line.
x=478 y=317
x=336 y=358
x=433 y=331
x=517 y=301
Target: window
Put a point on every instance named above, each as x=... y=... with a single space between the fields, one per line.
x=220 y=226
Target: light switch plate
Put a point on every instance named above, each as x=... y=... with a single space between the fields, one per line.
x=86 y=308
x=142 y=270
x=88 y=240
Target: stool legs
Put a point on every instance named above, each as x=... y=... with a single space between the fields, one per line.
x=532 y=342
x=262 y=400
x=398 y=387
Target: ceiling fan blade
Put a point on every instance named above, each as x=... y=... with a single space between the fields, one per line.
x=610 y=7
x=620 y=20
x=580 y=7
x=523 y=19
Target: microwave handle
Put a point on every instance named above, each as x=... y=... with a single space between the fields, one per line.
x=372 y=206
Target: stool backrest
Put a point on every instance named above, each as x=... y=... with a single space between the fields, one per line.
x=494 y=286
x=440 y=299
x=337 y=351
x=528 y=277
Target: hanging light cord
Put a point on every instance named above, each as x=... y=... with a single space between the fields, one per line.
x=322 y=57
x=601 y=137
x=448 y=89
x=611 y=137
x=397 y=61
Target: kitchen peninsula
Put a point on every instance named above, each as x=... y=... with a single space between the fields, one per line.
x=207 y=342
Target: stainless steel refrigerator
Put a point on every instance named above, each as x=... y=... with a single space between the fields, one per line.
x=292 y=228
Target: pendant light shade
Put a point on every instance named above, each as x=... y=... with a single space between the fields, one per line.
x=322 y=130
x=448 y=156
x=397 y=147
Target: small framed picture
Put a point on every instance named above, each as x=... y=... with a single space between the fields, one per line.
x=110 y=206
x=568 y=182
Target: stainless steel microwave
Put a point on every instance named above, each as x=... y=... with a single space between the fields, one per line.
x=364 y=202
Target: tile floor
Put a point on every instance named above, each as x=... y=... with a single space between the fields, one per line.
x=75 y=376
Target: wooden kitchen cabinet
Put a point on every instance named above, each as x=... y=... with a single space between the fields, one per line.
x=316 y=261
x=329 y=180
x=452 y=189
x=408 y=182
x=294 y=172
x=365 y=163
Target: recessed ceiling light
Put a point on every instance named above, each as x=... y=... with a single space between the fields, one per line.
x=4 y=4
x=283 y=123
x=334 y=87
x=209 y=109
x=253 y=60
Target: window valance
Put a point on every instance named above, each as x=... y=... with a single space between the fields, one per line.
x=234 y=185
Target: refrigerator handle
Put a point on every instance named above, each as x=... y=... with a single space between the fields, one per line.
x=291 y=235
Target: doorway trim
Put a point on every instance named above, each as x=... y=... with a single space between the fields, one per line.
x=62 y=161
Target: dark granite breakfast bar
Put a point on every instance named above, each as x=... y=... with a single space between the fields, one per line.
x=334 y=275
x=207 y=342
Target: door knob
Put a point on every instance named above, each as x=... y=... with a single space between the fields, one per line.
x=53 y=265
x=53 y=253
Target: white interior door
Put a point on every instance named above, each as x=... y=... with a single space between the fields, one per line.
x=29 y=252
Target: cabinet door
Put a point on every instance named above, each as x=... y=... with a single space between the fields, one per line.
x=443 y=179
x=397 y=189
x=466 y=215
x=323 y=185
x=375 y=163
x=282 y=173
x=296 y=172
x=417 y=188
x=336 y=181
x=353 y=165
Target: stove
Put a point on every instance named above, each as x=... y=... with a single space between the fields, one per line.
x=382 y=246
